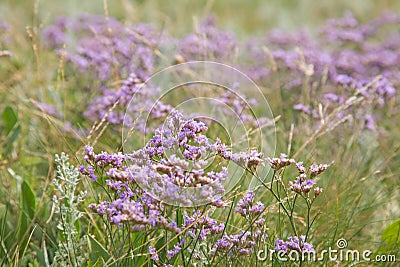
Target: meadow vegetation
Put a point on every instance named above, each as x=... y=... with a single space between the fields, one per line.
x=175 y=190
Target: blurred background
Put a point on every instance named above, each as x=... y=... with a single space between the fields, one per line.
x=241 y=17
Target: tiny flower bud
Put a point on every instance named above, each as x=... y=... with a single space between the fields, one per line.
x=317 y=191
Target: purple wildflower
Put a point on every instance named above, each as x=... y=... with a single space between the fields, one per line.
x=153 y=253
x=317 y=169
x=282 y=161
x=202 y=225
x=301 y=186
x=242 y=243
x=246 y=205
x=300 y=167
x=293 y=243
x=177 y=248
x=91 y=174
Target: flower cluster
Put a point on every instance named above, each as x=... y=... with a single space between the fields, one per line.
x=154 y=254
x=201 y=225
x=302 y=184
x=247 y=207
x=248 y=160
x=109 y=51
x=125 y=104
x=171 y=163
x=104 y=45
x=294 y=243
x=145 y=211
x=177 y=247
x=133 y=206
x=317 y=169
x=346 y=54
x=174 y=160
x=242 y=243
x=282 y=161
x=333 y=51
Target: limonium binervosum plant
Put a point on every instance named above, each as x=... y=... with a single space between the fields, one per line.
x=149 y=217
x=190 y=193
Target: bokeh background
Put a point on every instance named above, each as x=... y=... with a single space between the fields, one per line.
x=242 y=17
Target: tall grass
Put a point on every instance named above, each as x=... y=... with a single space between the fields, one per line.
x=361 y=192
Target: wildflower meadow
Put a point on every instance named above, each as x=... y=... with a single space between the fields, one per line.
x=199 y=133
